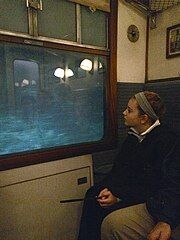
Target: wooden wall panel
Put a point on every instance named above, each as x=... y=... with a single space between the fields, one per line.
x=103 y=5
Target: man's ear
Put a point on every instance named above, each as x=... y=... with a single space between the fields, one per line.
x=144 y=118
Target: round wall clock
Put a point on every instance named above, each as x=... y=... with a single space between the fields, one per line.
x=133 y=33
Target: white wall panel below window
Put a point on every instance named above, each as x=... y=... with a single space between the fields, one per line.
x=30 y=207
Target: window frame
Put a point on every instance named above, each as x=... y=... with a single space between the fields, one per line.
x=110 y=140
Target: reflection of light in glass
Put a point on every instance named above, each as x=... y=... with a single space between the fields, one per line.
x=24 y=83
x=100 y=65
x=69 y=73
x=16 y=84
x=86 y=64
x=59 y=72
x=33 y=82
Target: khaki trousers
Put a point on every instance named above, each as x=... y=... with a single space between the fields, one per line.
x=131 y=223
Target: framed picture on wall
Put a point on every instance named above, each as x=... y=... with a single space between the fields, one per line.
x=173 y=41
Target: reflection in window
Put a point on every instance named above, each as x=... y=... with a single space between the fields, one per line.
x=48 y=100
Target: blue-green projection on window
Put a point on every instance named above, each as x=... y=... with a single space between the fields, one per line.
x=50 y=98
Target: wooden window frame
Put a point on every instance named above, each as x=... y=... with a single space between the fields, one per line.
x=110 y=139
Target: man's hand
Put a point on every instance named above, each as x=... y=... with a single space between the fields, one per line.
x=106 y=198
x=162 y=231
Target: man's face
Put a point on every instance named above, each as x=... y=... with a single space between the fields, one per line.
x=131 y=115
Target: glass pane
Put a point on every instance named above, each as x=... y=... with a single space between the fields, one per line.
x=18 y=22
x=49 y=98
x=57 y=20
x=93 y=23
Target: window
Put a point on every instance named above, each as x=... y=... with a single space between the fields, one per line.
x=54 y=99
x=57 y=100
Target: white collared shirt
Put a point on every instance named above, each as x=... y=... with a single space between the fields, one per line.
x=141 y=136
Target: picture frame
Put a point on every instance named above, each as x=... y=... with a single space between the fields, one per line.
x=173 y=41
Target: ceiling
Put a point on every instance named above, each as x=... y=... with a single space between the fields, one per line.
x=153 y=6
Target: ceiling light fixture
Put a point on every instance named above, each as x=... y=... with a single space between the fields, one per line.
x=60 y=73
x=86 y=64
x=69 y=73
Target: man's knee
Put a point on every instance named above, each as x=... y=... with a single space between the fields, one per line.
x=90 y=192
x=93 y=191
x=114 y=226
x=128 y=223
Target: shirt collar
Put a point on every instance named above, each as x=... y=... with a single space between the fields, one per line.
x=157 y=123
x=142 y=135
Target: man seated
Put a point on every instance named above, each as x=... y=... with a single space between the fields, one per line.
x=140 y=197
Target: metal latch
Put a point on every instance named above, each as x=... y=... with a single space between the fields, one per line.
x=36 y=4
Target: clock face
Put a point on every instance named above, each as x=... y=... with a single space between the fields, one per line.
x=133 y=33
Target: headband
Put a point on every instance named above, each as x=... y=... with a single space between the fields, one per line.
x=145 y=105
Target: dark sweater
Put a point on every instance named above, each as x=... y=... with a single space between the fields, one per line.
x=149 y=172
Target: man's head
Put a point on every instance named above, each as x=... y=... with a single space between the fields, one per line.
x=143 y=110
